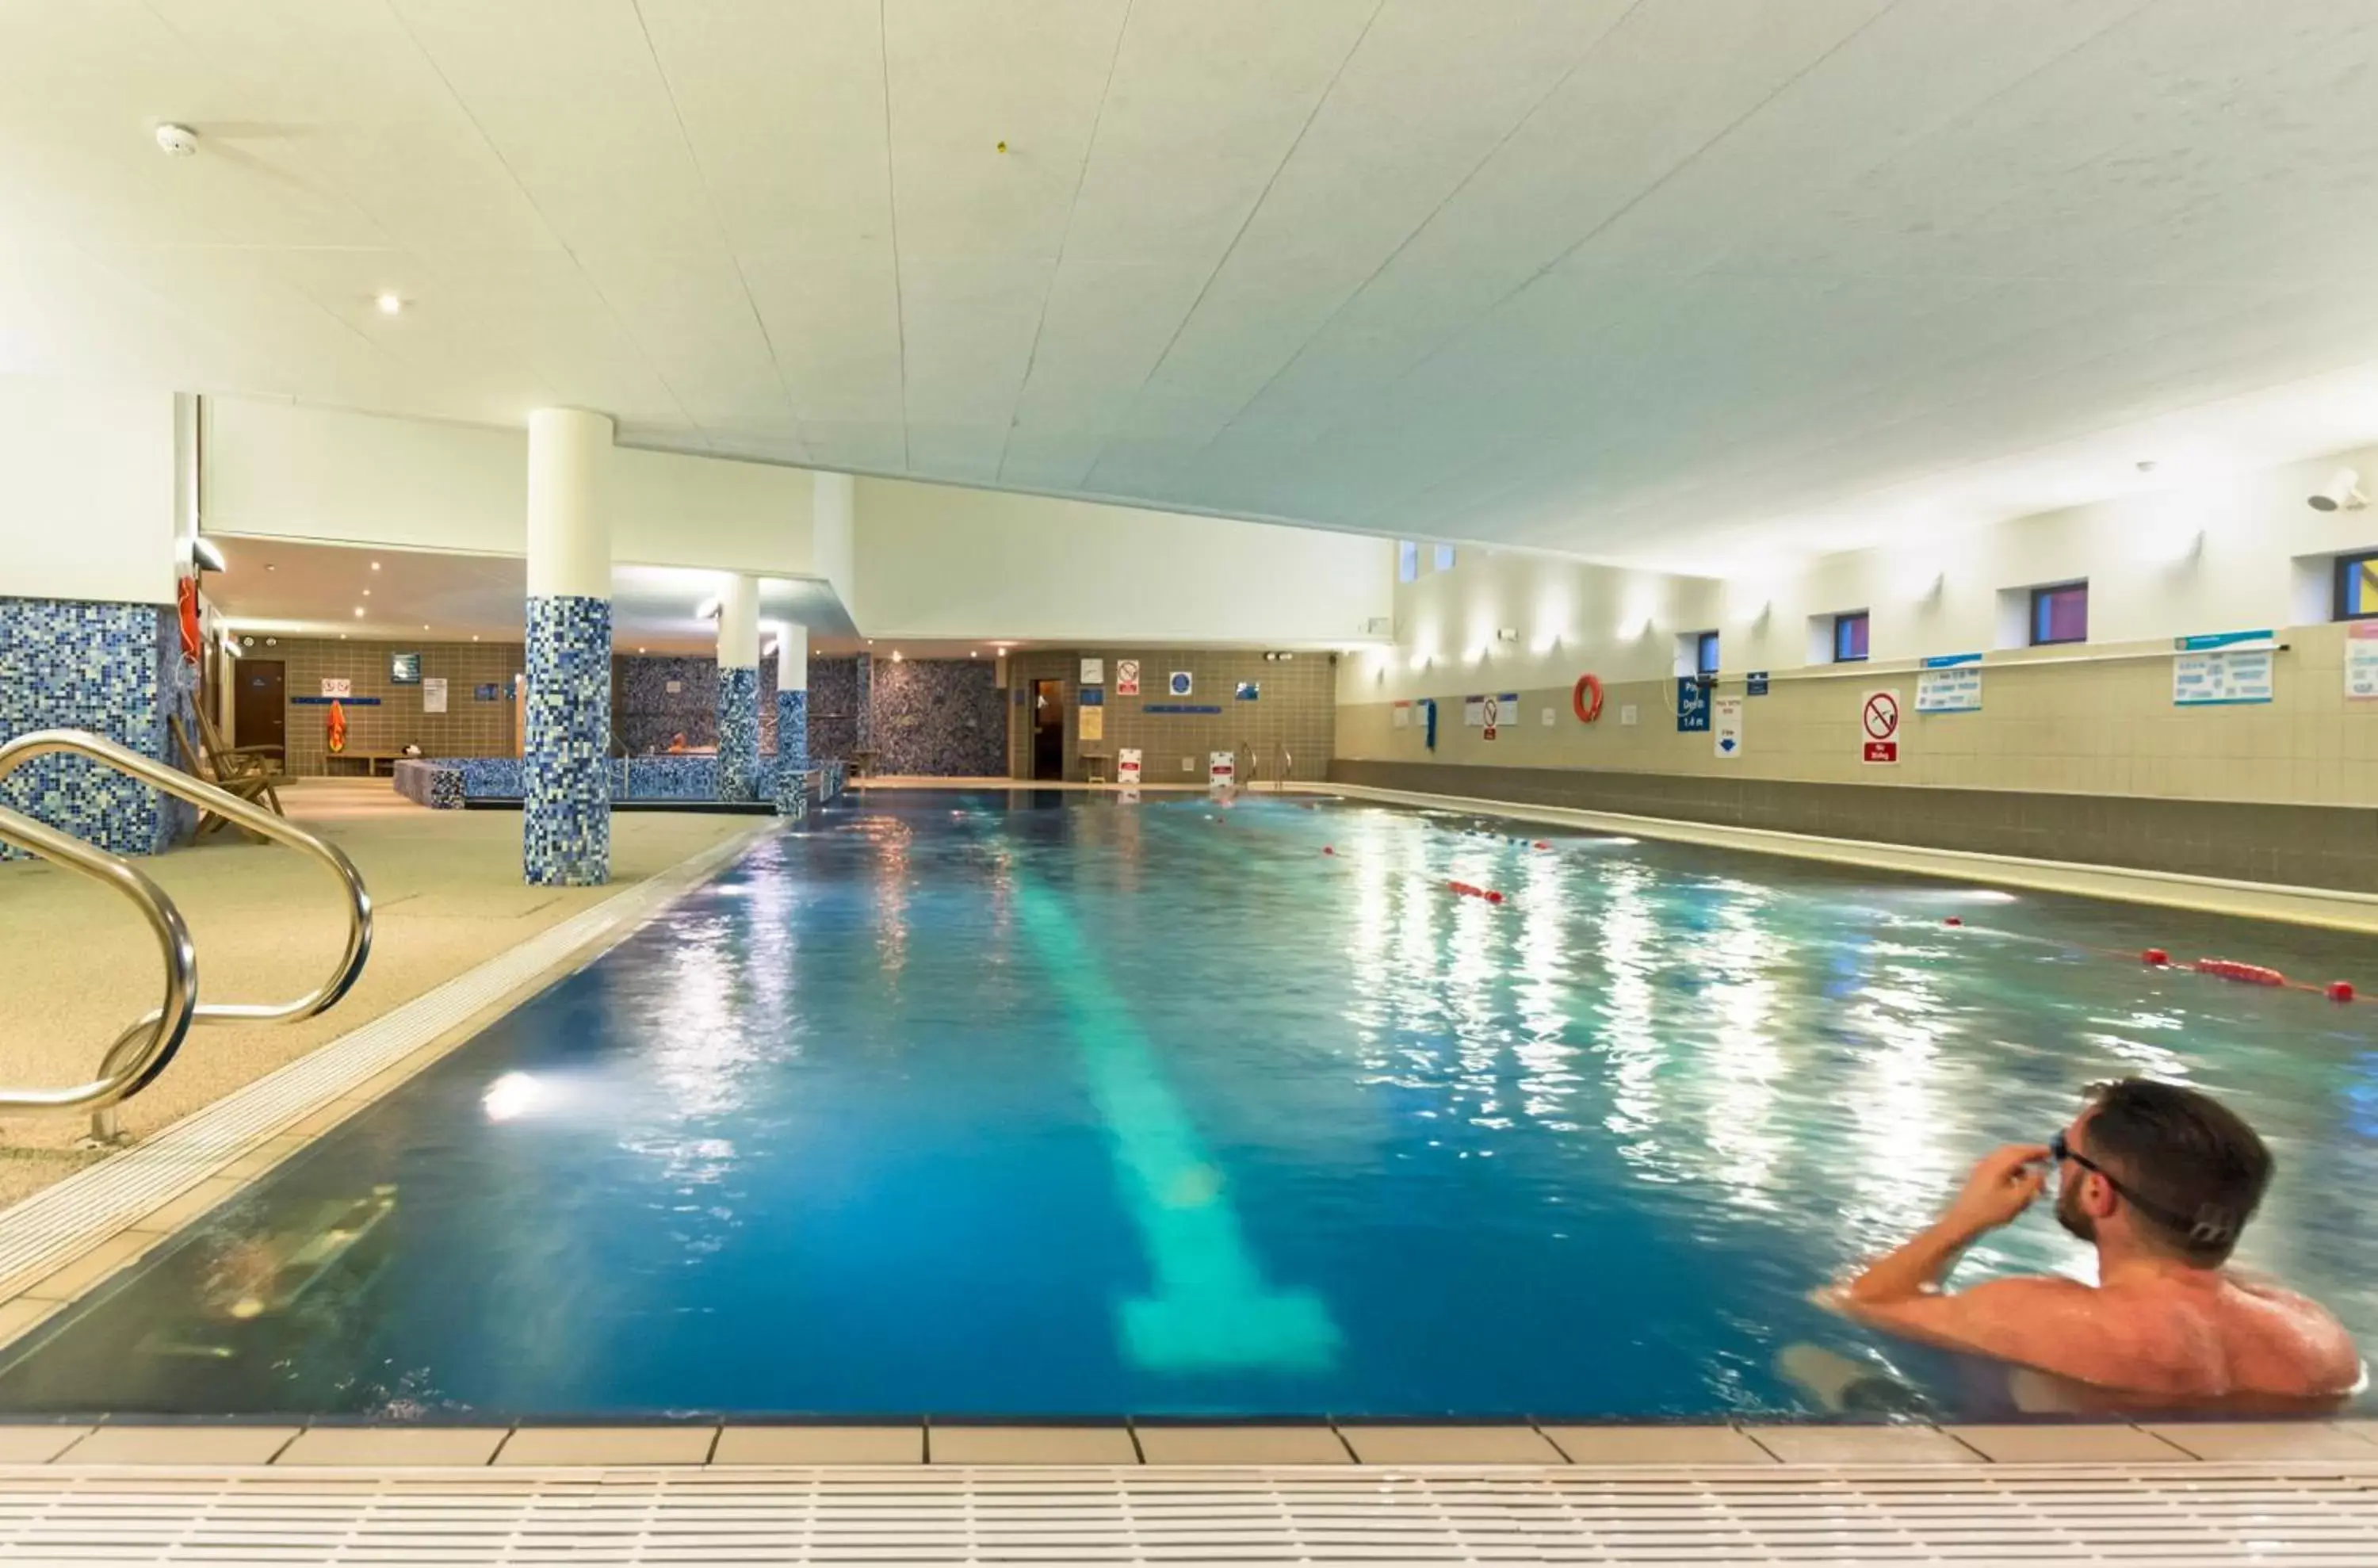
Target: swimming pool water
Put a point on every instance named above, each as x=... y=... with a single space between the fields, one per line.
x=975 y=1104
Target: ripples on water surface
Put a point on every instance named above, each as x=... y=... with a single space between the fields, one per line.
x=985 y=1104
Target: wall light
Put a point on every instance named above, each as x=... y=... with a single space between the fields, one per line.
x=207 y=555
x=1634 y=629
x=897 y=656
x=1546 y=641
x=390 y=303
x=706 y=611
x=2342 y=493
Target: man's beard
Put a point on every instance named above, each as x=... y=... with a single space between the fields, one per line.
x=2071 y=1216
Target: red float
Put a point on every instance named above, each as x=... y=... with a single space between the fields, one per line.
x=2245 y=974
x=2340 y=990
x=2155 y=956
x=1585 y=697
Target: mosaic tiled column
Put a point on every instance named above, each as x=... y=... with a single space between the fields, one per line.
x=738 y=690
x=116 y=670
x=862 y=708
x=565 y=780
x=792 y=720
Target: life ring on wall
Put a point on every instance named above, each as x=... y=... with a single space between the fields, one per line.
x=1586 y=698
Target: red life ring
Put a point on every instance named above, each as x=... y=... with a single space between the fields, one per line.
x=1586 y=698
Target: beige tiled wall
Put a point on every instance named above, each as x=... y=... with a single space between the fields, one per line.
x=1297 y=711
x=2104 y=728
x=467 y=728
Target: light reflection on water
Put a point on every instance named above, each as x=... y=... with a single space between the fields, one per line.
x=822 y=1139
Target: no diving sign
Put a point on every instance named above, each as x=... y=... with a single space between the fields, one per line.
x=1878 y=720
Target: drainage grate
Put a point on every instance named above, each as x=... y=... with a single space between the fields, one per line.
x=56 y=1224
x=2153 y=1515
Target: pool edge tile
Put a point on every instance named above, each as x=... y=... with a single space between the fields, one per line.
x=1876 y=1444
x=623 y=1446
x=2067 y=1442
x=1384 y=1443
x=1224 y=1442
x=1657 y=1445
x=30 y=1442
x=872 y=1443
x=380 y=1447
x=989 y=1443
x=2222 y=1443
x=197 y=1443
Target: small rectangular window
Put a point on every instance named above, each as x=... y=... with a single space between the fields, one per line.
x=1444 y=558
x=1407 y=561
x=1849 y=638
x=1705 y=656
x=2059 y=614
x=2357 y=586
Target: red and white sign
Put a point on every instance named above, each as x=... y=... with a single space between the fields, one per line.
x=1127 y=765
x=1221 y=770
x=1126 y=678
x=1878 y=727
x=1493 y=716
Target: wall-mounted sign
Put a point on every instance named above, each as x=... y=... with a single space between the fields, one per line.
x=1400 y=716
x=1249 y=691
x=1127 y=765
x=1950 y=683
x=1692 y=706
x=2223 y=669
x=1126 y=678
x=1490 y=710
x=1755 y=683
x=433 y=694
x=1726 y=722
x=405 y=669
x=1879 y=728
x=1474 y=712
x=2361 y=660
x=487 y=691
x=1181 y=684
x=1090 y=724
x=1627 y=715
x=1221 y=770
x=338 y=686
x=672 y=687
x=1094 y=673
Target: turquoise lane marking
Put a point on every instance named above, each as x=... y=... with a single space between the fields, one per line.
x=1212 y=1308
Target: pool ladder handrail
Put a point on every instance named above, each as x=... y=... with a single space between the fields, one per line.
x=144 y=1050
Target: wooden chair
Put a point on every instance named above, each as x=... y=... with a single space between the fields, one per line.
x=238 y=770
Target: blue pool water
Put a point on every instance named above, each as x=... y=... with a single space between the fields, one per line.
x=974 y=1104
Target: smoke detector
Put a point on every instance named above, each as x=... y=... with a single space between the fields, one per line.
x=176 y=141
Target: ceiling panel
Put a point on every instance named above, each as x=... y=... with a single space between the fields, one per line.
x=1615 y=278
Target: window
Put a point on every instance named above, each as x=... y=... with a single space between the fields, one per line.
x=1705 y=653
x=1849 y=638
x=2059 y=614
x=1444 y=558
x=1407 y=561
x=2357 y=586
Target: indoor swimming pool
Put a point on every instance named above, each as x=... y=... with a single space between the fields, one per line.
x=974 y=1104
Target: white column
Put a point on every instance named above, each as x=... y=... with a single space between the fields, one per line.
x=565 y=772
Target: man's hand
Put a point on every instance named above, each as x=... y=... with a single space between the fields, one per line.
x=2003 y=1185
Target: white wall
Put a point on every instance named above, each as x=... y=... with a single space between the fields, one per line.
x=940 y=562
x=293 y=472
x=87 y=492
x=2177 y=556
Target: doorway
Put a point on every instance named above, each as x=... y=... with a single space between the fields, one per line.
x=1048 y=729
x=259 y=707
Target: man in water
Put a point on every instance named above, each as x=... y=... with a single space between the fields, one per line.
x=2162 y=1179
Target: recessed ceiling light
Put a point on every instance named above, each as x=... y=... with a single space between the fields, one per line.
x=269 y=567
x=475 y=636
x=374 y=565
x=367 y=593
x=390 y=304
x=971 y=654
x=425 y=626
x=359 y=611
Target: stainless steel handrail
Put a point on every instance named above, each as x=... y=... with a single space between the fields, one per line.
x=137 y=1056
x=159 y=1034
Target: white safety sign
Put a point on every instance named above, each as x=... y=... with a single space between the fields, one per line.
x=1878 y=727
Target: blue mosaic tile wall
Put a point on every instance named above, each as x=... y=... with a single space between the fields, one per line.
x=438 y=785
x=646 y=714
x=833 y=708
x=111 y=669
x=483 y=776
x=739 y=734
x=939 y=718
x=791 y=761
x=566 y=784
x=671 y=778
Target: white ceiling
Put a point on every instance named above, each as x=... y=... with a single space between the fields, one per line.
x=1625 y=279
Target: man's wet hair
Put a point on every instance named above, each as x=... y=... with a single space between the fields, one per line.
x=2196 y=1170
